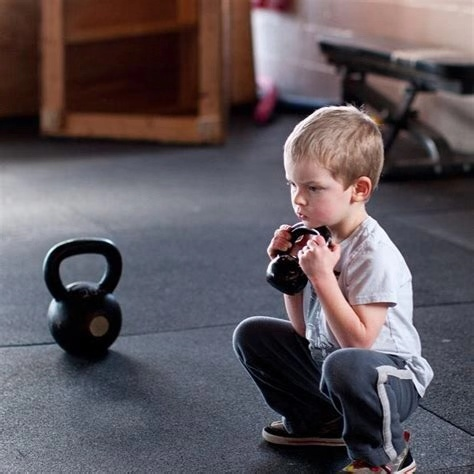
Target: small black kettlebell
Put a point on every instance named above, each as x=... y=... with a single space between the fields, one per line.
x=84 y=318
x=284 y=272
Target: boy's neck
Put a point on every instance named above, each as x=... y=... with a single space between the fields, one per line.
x=345 y=228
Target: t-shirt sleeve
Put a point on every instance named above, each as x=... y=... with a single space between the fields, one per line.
x=375 y=275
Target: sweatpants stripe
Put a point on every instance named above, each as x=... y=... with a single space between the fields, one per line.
x=384 y=371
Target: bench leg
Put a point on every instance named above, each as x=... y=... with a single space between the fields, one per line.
x=435 y=145
x=399 y=120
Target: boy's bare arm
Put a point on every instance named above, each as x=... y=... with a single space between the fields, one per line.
x=294 y=310
x=353 y=326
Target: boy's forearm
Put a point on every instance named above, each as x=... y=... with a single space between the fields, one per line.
x=344 y=322
x=294 y=310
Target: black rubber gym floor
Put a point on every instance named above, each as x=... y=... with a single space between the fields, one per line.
x=192 y=225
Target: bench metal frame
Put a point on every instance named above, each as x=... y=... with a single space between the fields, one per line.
x=358 y=58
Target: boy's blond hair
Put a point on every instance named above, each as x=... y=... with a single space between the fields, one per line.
x=342 y=139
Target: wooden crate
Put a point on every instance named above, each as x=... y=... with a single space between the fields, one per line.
x=133 y=70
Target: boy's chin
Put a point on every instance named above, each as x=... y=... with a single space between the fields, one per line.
x=309 y=223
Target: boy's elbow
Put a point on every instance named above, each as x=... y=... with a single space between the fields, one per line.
x=300 y=329
x=360 y=342
x=356 y=346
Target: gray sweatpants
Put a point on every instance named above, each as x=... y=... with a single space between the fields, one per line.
x=371 y=393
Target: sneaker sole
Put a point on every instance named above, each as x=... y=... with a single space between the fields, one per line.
x=408 y=469
x=288 y=441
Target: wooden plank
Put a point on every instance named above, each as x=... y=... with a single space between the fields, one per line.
x=211 y=94
x=187 y=10
x=188 y=129
x=52 y=70
x=96 y=18
x=240 y=54
x=116 y=32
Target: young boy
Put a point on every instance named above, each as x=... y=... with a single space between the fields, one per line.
x=346 y=369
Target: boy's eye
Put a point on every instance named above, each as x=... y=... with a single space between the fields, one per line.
x=316 y=188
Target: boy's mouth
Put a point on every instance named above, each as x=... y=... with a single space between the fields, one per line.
x=301 y=216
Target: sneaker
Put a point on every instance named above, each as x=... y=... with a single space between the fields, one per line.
x=403 y=464
x=276 y=433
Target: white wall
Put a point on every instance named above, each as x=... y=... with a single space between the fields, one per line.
x=285 y=49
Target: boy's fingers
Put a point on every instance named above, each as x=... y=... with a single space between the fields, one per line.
x=281 y=241
x=282 y=229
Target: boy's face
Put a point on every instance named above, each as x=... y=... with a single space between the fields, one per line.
x=318 y=199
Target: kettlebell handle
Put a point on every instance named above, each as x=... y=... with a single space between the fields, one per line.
x=299 y=229
x=72 y=247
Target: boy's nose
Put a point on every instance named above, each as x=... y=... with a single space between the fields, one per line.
x=298 y=198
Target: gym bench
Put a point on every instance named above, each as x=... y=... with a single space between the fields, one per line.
x=424 y=69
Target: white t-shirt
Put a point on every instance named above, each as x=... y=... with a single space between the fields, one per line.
x=372 y=270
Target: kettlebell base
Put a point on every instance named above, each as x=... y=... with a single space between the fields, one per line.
x=287 y=289
x=82 y=333
x=285 y=275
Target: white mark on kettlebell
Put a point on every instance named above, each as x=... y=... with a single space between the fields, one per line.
x=99 y=326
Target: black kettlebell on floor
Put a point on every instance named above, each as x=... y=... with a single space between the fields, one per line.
x=84 y=318
x=284 y=272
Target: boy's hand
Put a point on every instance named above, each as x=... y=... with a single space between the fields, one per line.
x=317 y=259
x=281 y=242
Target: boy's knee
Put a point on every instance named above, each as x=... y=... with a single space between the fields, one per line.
x=260 y=335
x=248 y=333
x=243 y=332
x=345 y=367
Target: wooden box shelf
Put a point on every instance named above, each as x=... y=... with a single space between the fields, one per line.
x=145 y=69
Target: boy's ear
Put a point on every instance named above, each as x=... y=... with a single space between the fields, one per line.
x=362 y=189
